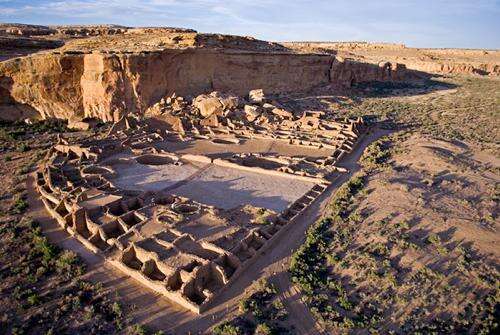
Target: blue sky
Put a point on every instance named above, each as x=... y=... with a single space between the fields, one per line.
x=424 y=23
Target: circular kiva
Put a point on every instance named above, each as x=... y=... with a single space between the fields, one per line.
x=185 y=208
x=156 y=159
x=93 y=170
x=165 y=200
x=167 y=217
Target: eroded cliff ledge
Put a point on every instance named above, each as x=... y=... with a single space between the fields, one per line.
x=441 y=61
x=112 y=75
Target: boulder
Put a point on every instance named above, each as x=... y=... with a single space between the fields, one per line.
x=268 y=106
x=282 y=113
x=256 y=96
x=211 y=121
x=208 y=105
x=174 y=122
x=252 y=112
x=124 y=123
x=229 y=102
x=78 y=125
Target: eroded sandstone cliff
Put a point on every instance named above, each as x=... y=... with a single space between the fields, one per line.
x=106 y=76
x=109 y=85
x=441 y=61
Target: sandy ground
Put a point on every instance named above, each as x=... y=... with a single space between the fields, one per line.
x=227 y=188
x=135 y=176
x=422 y=241
x=217 y=186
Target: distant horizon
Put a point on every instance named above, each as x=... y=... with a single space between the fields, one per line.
x=442 y=24
x=273 y=41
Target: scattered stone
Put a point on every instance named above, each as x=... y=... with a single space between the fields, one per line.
x=82 y=124
x=126 y=122
x=229 y=102
x=268 y=106
x=252 y=112
x=256 y=96
x=282 y=113
x=211 y=121
x=208 y=105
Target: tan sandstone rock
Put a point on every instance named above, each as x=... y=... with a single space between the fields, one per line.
x=256 y=96
x=252 y=112
x=110 y=85
x=208 y=105
x=211 y=121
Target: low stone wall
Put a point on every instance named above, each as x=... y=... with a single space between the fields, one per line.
x=225 y=163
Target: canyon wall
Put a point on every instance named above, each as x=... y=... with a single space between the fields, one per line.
x=107 y=85
x=348 y=72
x=440 y=61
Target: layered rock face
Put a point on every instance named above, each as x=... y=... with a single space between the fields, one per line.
x=442 y=61
x=43 y=86
x=108 y=86
x=348 y=72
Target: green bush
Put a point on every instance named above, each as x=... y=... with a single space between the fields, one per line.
x=23 y=147
x=376 y=154
x=33 y=299
x=138 y=329
x=263 y=329
x=19 y=206
x=227 y=328
x=42 y=245
x=433 y=239
x=68 y=263
x=308 y=265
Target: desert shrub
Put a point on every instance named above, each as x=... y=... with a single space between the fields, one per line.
x=68 y=264
x=116 y=308
x=139 y=329
x=42 y=245
x=257 y=302
x=227 y=328
x=433 y=239
x=378 y=249
x=33 y=299
x=308 y=265
x=23 y=147
x=19 y=206
x=376 y=154
x=263 y=329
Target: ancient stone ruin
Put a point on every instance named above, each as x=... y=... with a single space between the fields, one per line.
x=185 y=199
x=203 y=166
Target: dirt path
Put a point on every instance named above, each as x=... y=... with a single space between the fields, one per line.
x=156 y=312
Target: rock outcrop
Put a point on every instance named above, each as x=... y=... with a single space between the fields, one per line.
x=441 y=61
x=348 y=72
x=108 y=85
